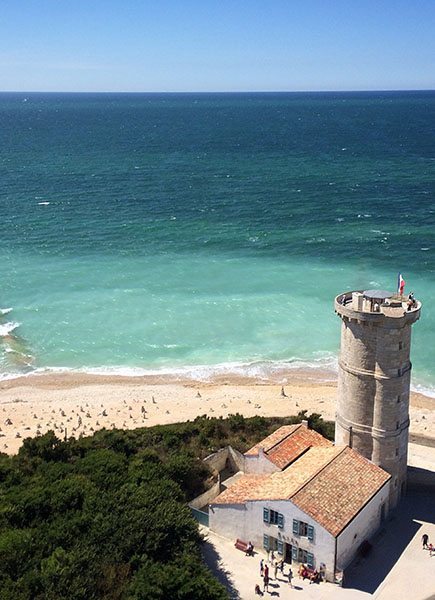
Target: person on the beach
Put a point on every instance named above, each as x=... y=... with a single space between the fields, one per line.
x=266 y=572
x=261 y=567
x=290 y=577
x=425 y=540
x=258 y=592
x=266 y=583
x=431 y=549
x=275 y=570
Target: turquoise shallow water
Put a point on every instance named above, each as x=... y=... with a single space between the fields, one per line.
x=209 y=233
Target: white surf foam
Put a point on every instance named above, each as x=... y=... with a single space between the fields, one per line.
x=5 y=311
x=323 y=368
x=8 y=328
x=423 y=389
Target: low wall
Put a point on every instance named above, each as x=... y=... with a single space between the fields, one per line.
x=206 y=497
x=226 y=457
x=217 y=460
x=237 y=459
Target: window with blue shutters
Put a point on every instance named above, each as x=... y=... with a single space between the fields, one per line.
x=280 y=547
x=295 y=553
x=303 y=556
x=273 y=517
x=303 y=529
x=266 y=542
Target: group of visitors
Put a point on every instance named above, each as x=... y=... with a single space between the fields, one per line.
x=412 y=302
x=278 y=566
x=314 y=575
x=427 y=545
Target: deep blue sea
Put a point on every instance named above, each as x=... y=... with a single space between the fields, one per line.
x=209 y=233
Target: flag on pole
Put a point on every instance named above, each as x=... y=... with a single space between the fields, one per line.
x=400 y=284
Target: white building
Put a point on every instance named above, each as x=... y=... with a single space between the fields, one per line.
x=306 y=499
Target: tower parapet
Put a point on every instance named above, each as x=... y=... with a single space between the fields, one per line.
x=374 y=379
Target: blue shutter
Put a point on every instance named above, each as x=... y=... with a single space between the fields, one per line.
x=310 y=532
x=295 y=527
x=280 y=547
x=280 y=520
x=265 y=541
x=295 y=553
x=266 y=515
x=310 y=560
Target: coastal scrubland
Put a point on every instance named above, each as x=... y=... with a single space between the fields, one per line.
x=105 y=517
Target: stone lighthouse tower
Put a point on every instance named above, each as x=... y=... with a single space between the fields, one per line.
x=374 y=379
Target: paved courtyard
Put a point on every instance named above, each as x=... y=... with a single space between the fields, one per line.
x=397 y=567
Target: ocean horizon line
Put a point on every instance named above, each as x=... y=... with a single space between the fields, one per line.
x=225 y=92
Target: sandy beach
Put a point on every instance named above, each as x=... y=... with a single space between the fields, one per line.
x=82 y=404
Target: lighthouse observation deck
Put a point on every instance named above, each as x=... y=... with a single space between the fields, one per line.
x=377 y=305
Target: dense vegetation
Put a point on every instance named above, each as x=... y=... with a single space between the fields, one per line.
x=105 y=517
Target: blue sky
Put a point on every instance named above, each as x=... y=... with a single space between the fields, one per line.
x=222 y=45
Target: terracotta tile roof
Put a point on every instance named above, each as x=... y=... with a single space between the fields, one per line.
x=281 y=485
x=330 y=483
x=243 y=490
x=273 y=439
x=287 y=443
x=336 y=494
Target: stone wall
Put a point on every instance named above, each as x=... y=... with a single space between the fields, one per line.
x=206 y=497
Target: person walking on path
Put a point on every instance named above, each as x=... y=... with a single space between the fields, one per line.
x=425 y=540
x=266 y=583
x=266 y=571
x=261 y=567
x=290 y=577
x=275 y=570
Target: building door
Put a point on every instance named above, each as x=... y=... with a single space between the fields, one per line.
x=288 y=554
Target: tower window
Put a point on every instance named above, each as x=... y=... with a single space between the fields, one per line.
x=397 y=451
x=397 y=424
x=400 y=345
x=399 y=372
x=398 y=398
